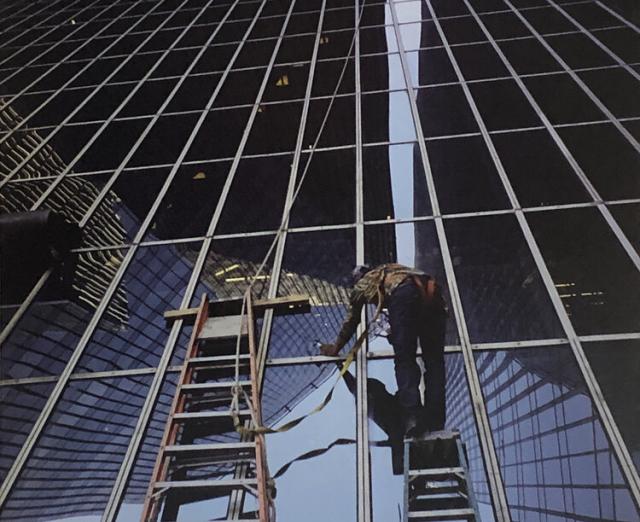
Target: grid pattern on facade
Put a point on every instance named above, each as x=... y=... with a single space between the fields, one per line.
x=493 y=143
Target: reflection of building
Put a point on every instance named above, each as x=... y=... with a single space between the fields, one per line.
x=76 y=382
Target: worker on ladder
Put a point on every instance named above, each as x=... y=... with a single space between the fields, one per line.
x=416 y=311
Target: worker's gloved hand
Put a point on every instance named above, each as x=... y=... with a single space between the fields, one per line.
x=330 y=350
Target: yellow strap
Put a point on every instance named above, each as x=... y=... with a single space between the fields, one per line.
x=257 y=430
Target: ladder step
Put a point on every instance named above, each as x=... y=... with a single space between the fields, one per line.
x=219 y=358
x=208 y=415
x=209 y=448
x=437 y=473
x=211 y=386
x=205 y=484
x=443 y=514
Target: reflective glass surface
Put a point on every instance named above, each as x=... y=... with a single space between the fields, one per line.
x=552 y=449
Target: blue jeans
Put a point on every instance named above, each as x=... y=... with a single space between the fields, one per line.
x=411 y=318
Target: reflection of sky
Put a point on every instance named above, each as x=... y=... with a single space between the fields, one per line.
x=323 y=488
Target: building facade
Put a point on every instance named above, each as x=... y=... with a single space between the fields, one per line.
x=492 y=143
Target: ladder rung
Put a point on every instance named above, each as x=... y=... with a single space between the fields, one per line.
x=443 y=514
x=430 y=491
x=204 y=448
x=218 y=358
x=205 y=484
x=207 y=386
x=206 y=415
x=442 y=473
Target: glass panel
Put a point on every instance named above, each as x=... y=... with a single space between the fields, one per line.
x=591 y=16
x=444 y=111
x=274 y=129
x=327 y=74
x=225 y=144
x=430 y=67
x=479 y=61
x=462 y=30
x=465 y=176
x=289 y=392
x=536 y=182
x=578 y=51
x=502 y=105
x=117 y=219
x=76 y=459
x=263 y=182
x=601 y=293
x=312 y=266
x=503 y=296
x=43 y=340
x=617 y=89
x=628 y=217
x=19 y=409
x=528 y=56
x=133 y=332
x=327 y=195
x=616 y=365
x=614 y=174
x=561 y=99
x=504 y=25
x=339 y=128
x=623 y=41
x=187 y=207
x=136 y=489
x=551 y=447
x=381 y=72
x=395 y=185
x=410 y=244
x=548 y=20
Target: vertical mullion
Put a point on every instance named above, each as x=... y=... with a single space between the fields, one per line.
x=362 y=404
x=626 y=22
x=619 y=448
x=57 y=391
x=595 y=40
x=16 y=317
x=595 y=195
x=143 y=419
x=77 y=109
x=6 y=44
x=615 y=121
x=267 y=321
x=494 y=478
x=48 y=49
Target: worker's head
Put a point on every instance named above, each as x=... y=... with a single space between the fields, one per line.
x=358 y=272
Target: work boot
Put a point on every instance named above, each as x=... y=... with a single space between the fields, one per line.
x=414 y=424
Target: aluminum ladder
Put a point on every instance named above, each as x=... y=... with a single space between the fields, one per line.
x=436 y=479
x=187 y=470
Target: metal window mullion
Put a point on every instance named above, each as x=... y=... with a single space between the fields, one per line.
x=595 y=195
x=77 y=109
x=15 y=319
x=48 y=408
x=114 y=177
x=267 y=321
x=48 y=49
x=127 y=465
x=618 y=16
x=363 y=457
x=6 y=44
x=591 y=37
x=615 y=121
x=619 y=448
x=494 y=478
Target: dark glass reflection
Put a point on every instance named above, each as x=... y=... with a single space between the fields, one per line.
x=628 y=217
x=616 y=365
x=76 y=459
x=601 y=293
x=537 y=169
x=19 y=409
x=132 y=333
x=502 y=292
x=613 y=174
x=552 y=450
x=465 y=176
x=395 y=185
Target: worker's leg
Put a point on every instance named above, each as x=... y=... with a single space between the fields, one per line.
x=432 y=334
x=404 y=308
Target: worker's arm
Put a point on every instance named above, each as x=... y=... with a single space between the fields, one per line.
x=349 y=325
